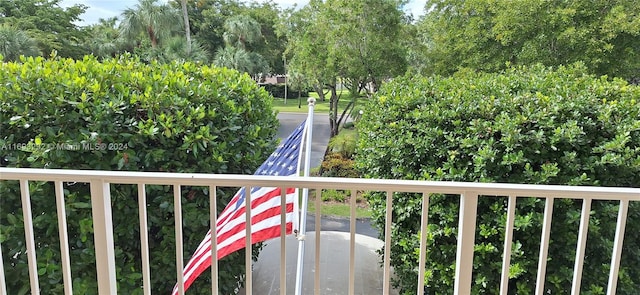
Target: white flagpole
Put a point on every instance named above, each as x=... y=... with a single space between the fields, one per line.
x=296 y=199
x=305 y=197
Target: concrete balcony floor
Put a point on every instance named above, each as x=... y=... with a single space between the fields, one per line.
x=334 y=265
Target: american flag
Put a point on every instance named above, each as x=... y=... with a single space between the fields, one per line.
x=265 y=210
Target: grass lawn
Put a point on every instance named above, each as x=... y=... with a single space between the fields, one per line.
x=321 y=106
x=340 y=208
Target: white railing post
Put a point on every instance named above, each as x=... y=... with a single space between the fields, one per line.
x=177 y=215
x=213 y=216
x=248 y=286
x=617 y=247
x=103 y=236
x=423 y=242
x=64 y=239
x=387 y=244
x=144 y=239
x=580 y=249
x=283 y=241
x=508 y=241
x=466 y=241
x=544 y=246
x=352 y=243
x=316 y=280
x=28 y=232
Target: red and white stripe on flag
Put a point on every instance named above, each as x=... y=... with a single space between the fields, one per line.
x=265 y=210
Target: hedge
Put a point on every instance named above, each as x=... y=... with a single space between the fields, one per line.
x=532 y=125
x=124 y=115
x=277 y=90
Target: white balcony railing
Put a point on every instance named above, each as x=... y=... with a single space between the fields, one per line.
x=103 y=229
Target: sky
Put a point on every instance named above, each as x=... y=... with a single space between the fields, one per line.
x=109 y=8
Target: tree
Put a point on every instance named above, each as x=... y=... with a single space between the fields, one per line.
x=487 y=35
x=233 y=58
x=365 y=40
x=187 y=27
x=157 y=21
x=14 y=43
x=271 y=45
x=299 y=83
x=51 y=26
x=104 y=39
x=207 y=22
x=354 y=40
x=241 y=30
x=208 y=17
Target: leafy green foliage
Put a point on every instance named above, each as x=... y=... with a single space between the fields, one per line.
x=104 y=39
x=339 y=159
x=344 y=143
x=527 y=125
x=336 y=165
x=123 y=114
x=151 y=19
x=335 y=195
x=14 y=43
x=51 y=26
x=208 y=18
x=278 y=91
x=487 y=34
x=354 y=40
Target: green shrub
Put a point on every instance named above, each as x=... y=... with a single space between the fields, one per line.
x=344 y=143
x=335 y=195
x=528 y=125
x=277 y=90
x=176 y=117
x=336 y=165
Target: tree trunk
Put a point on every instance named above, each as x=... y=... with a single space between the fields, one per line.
x=344 y=113
x=319 y=90
x=333 y=112
x=187 y=28
x=152 y=37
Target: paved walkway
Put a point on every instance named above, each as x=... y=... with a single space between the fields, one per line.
x=320 y=137
x=334 y=265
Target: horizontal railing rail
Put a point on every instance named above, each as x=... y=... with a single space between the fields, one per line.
x=469 y=193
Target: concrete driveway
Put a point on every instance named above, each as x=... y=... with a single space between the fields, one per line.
x=320 y=134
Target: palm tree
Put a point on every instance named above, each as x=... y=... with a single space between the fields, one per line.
x=234 y=58
x=176 y=48
x=241 y=30
x=104 y=40
x=155 y=20
x=14 y=43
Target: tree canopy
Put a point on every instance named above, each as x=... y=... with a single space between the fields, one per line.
x=488 y=35
x=14 y=43
x=150 y=18
x=45 y=21
x=354 y=40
